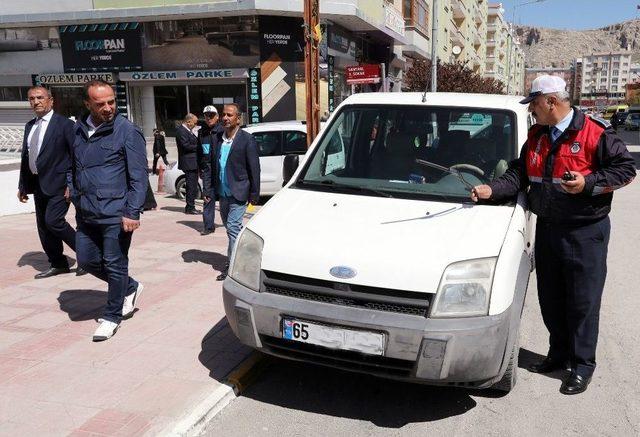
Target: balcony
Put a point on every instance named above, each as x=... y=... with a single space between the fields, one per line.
x=460 y=11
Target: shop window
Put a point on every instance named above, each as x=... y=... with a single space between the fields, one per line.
x=13 y=93
x=269 y=143
x=295 y=142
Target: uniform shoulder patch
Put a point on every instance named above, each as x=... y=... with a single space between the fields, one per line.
x=601 y=121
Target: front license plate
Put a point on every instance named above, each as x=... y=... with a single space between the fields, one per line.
x=333 y=337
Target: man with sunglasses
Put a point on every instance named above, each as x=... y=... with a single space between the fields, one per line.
x=569 y=168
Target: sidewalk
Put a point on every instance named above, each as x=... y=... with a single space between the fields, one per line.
x=163 y=362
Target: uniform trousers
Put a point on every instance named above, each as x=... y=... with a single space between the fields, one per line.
x=571 y=267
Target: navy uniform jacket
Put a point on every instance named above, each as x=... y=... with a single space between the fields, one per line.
x=54 y=160
x=187 y=144
x=242 y=169
x=109 y=172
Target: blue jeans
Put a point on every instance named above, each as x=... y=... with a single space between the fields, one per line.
x=231 y=212
x=103 y=250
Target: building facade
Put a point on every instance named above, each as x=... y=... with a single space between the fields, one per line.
x=166 y=58
x=604 y=79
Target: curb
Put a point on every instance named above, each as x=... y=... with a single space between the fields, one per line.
x=234 y=384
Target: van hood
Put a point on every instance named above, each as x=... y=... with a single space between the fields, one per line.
x=390 y=243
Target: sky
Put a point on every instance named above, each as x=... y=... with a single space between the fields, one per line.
x=570 y=14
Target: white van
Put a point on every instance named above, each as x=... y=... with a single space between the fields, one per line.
x=374 y=259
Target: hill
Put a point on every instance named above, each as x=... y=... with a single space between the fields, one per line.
x=546 y=47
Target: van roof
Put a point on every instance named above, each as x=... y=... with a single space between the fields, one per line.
x=493 y=101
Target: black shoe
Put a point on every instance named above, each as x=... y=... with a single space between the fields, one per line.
x=222 y=276
x=192 y=212
x=575 y=384
x=52 y=271
x=80 y=271
x=547 y=365
x=207 y=231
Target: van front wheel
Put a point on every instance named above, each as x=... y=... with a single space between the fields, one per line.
x=510 y=377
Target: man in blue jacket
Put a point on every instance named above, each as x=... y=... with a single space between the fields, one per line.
x=109 y=186
x=233 y=176
x=44 y=169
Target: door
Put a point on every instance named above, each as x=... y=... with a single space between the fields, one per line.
x=270 y=151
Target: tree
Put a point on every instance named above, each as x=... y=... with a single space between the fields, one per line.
x=452 y=77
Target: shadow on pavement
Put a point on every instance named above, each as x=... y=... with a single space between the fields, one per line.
x=82 y=304
x=38 y=260
x=214 y=259
x=195 y=225
x=526 y=358
x=221 y=351
x=172 y=209
x=385 y=403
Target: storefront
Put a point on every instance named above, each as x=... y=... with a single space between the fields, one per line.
x=67 y=90
x=162 y=98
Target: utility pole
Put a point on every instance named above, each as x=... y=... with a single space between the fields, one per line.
x=434 y=47
x=312 y=38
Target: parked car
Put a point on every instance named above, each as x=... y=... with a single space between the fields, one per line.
x=632 y=122
x=621 y=117
x=373 y=258
x=274 y=140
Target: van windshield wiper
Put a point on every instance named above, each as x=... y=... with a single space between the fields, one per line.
x=333 y=184
x=446 y=169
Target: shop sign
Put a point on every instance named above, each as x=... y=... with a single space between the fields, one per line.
x=330 y=80
x=71 y=78
x=365 y=73
x=255 y=99
x=100 y=47
x=393 y=20
x=229 y=73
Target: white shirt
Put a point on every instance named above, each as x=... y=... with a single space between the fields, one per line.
x=44 y=123
x=564 y=123
x=92 y=127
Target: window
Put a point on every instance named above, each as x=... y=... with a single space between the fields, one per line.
x=295 y=142
x=614 y=73
x=406 y=152
x=269 y=143
x=416 y=14
x=13 y=93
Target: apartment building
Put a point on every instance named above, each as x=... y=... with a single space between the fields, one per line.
x=504 y=56
x=170 y=57
x=604 y=78
x=567 y=74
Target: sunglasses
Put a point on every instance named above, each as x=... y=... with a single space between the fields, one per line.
x=210 y=115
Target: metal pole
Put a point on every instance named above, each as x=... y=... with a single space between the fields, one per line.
x=434 y=48
x=311 y=69
x=383 y=78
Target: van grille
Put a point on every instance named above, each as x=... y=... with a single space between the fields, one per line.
x=373 y=298
x=348 y=360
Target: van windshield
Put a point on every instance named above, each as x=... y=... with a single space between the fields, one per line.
x=411 y=152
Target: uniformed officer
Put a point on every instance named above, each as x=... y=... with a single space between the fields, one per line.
x=570 y=165
x=109 y=186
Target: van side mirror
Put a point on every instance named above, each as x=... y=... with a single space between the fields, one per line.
x=289 y=167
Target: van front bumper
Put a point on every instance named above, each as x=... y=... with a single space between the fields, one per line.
x=469 y=352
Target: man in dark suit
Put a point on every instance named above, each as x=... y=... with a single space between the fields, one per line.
x=45 y=170
x=234 y=175
x=109 y=185
x=187 y=143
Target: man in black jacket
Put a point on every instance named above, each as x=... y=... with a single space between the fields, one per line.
x=569 y=168
x=45 y=171
x=187 y=143
x=234 y=175
x=206 y=136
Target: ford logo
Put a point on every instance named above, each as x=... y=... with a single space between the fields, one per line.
x=342 y=272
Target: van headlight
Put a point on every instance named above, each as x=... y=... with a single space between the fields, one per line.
x=247 y=259
x=465 y=289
